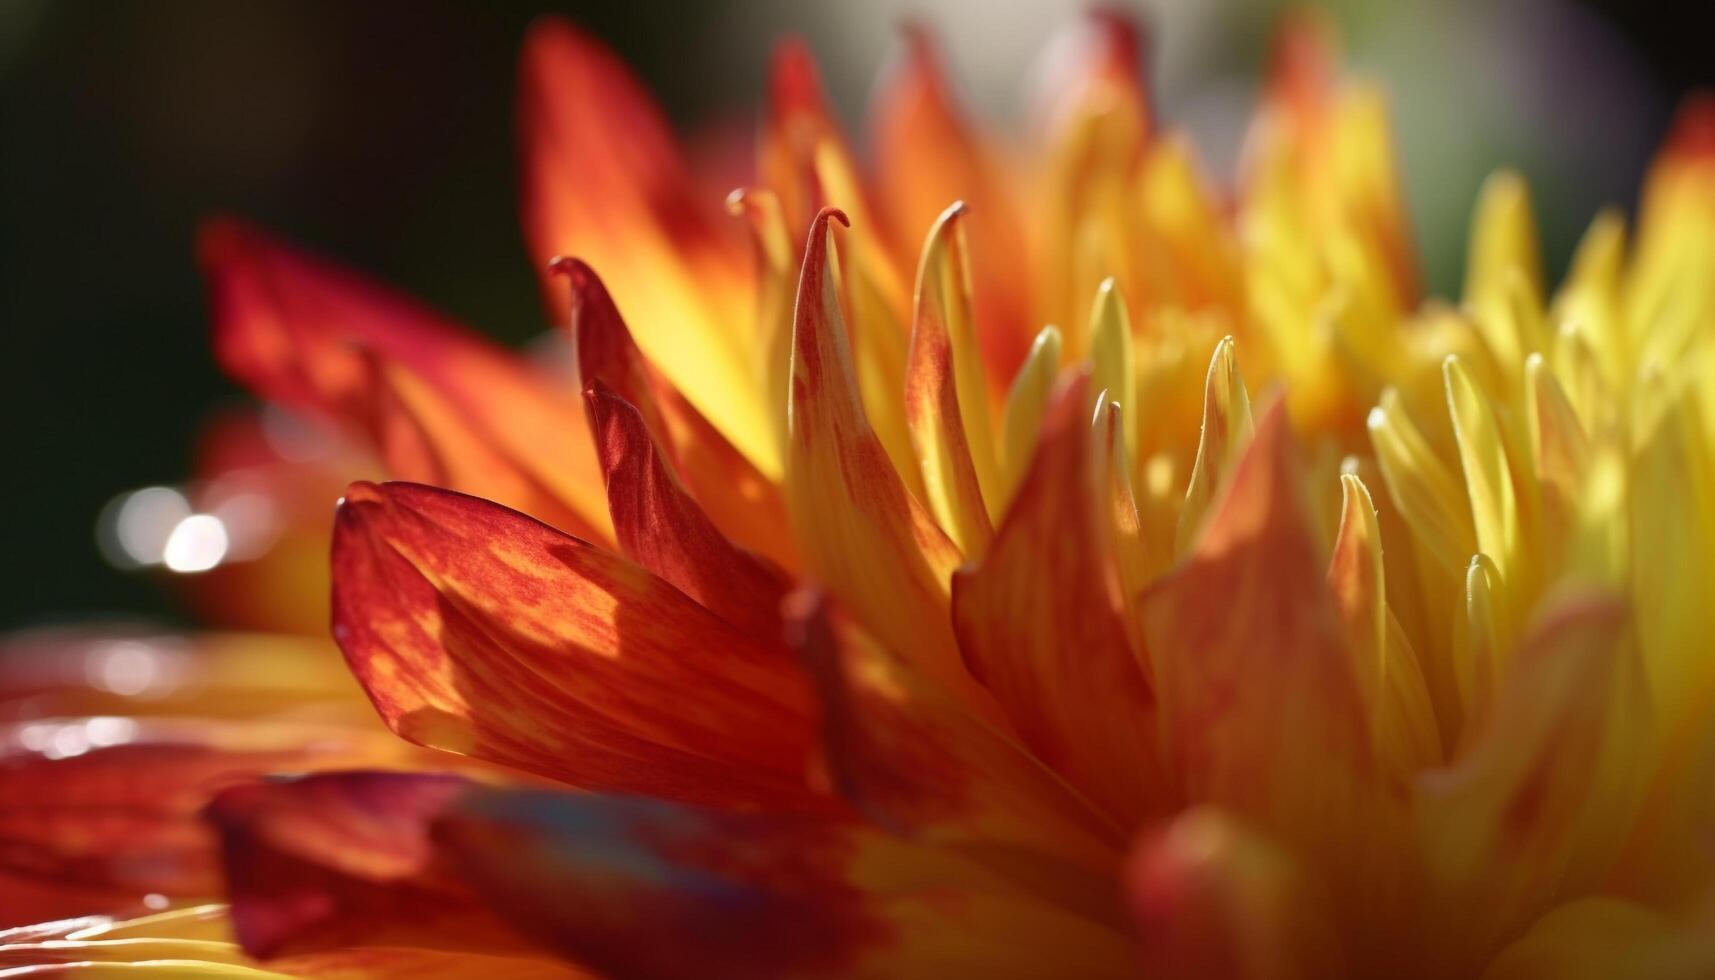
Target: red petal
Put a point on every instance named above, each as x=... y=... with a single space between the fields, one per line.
x=739 y=499
x=1040 y=624
x=642 y=888
x=663 y=529
x=295 y=329
x=478 y=630
x=344 y=859
x=104 y=809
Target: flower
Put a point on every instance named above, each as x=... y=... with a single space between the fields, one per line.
x=862 y=625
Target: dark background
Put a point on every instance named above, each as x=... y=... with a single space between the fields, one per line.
x=380 y=133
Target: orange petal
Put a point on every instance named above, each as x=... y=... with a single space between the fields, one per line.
x=1214 y=900
x=1040 y=624
x=663 y=529
x=343 y=859
x=642 y=888
x=862 y=532
x=293 y=329
x=927 y=156
x=946 y=395
x=1260 y=709
x=604 y=180
x=478 y=630
x=909 y=757
x=740 y=500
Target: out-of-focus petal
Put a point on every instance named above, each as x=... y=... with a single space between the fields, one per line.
x=910 y=758
x=1602 y=937
x=946 y=394
x=745 y=504
x=1503 y=826
x=1214 y=900
x=662 y=528
x=604 y=181
x=198 y=941
x=343 y=859
x=478 y=630
x=927 y=157
x=295 y=330
x=863 y=534
x=1040 y=624
x=642 y=888
x=104 y=809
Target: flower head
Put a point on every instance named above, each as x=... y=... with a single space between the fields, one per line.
x=934 y=594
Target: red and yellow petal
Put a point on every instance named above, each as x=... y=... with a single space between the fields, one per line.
x=478 y=630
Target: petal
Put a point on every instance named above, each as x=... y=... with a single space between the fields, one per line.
x=910 y=758
x=1502 y=825
x=1227 y=429
x=642 y=888
x=1213 y=899
x=928 y=156
x=1261 y=711
x=478 y=630
x=199 y=938
x=1598 y=937
x=861 y=531
x=294 y=329
x=1026 y=403
x=946 y=395
x=660 y=527
x=104 y=808
x=605 y=181
x=1040 y=623
x=342 y=859
x=740 y=500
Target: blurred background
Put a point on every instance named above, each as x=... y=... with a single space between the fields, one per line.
x=380 y=133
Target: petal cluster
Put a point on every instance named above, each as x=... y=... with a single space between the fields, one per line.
x=974 y=557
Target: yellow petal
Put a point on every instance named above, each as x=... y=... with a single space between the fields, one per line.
x=1026 y=403
x=946 y=394
x=1227 y=432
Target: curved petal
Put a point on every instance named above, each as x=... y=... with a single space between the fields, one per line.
x=1040 y=624
x=660 y=526
x=478 y=630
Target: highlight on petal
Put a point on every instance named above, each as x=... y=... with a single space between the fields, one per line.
x=1227 y=430
x=480 y=631
x=1041 y=624
x=1026 y=403
x=863 y=534
x=1115 y=372
x=604 y=180
x=1212 y=898
x=911 y=759
x=295 y=330
x=946 y=393
x=1422 y=487
x=642 y=888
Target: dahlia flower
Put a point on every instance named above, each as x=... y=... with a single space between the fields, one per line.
x=987 y=557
